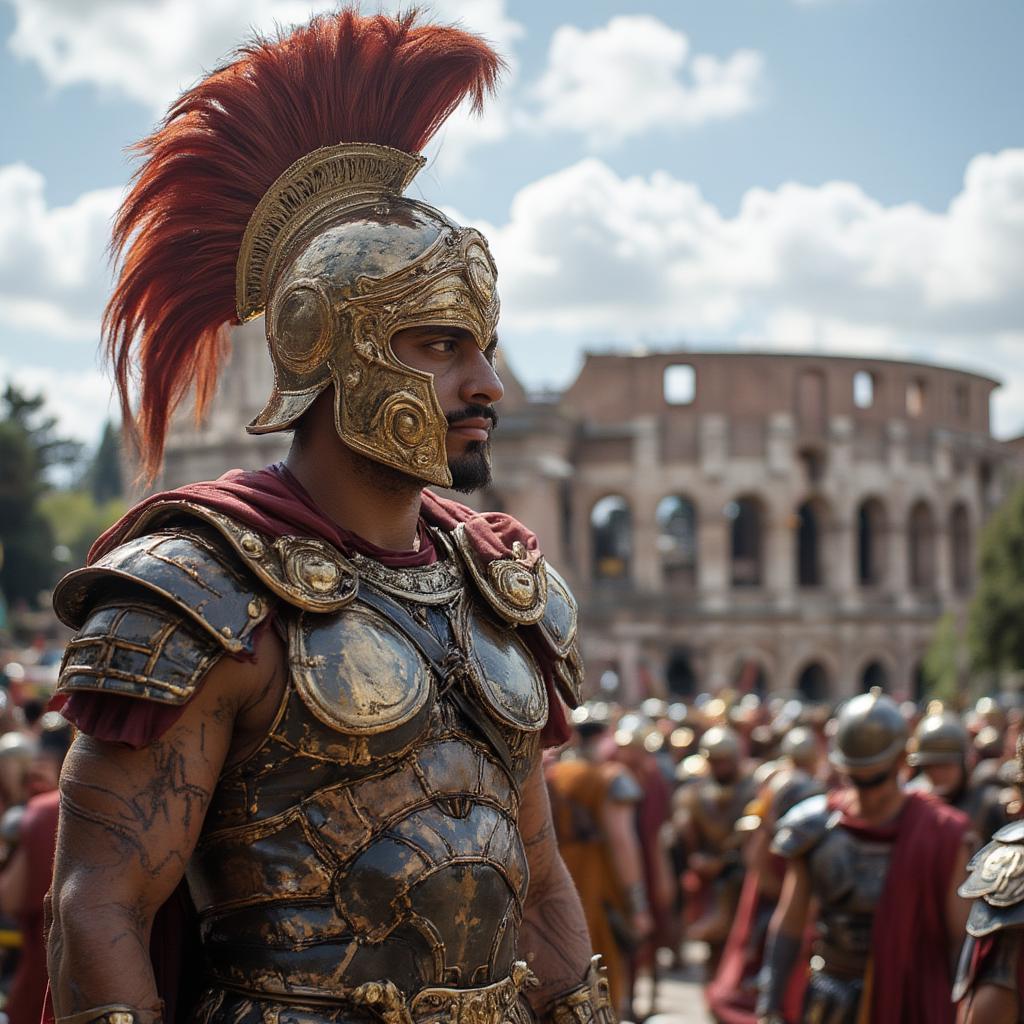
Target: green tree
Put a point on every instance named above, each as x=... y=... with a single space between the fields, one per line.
x=29 y=447
x=26 y=413
x=945 y=661
x=104 y=475
x=995 y=633
x=25 y=535
x=76 y=520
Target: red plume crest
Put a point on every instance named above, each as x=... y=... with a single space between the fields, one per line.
x=341 y=78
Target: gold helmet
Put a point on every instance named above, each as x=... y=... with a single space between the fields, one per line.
x=355 y=264
x=276 y=186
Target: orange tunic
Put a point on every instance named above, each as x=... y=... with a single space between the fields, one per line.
x=579 y=793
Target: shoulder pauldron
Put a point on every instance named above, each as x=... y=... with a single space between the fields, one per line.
x=996 y=883
x=803 y=827
x=154 y=613
x=531 y=594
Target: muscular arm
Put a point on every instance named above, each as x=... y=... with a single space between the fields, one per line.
x=554 y=939
x=129 y=821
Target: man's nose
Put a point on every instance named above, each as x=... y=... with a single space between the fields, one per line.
x=482 y=386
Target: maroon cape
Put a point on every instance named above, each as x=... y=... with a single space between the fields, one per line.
x=732 y=994
x=273 y=502
x=912 y=983
x=38 y=839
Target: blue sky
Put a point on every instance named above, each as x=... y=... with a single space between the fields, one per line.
x=834 y=175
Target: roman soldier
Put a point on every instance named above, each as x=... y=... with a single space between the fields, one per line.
x=939 y=748
x=707 y=811
x=990 y=978
x=882 y=866
x=313 y=698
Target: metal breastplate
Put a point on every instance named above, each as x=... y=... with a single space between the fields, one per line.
x=847 y=877
x=373 y=835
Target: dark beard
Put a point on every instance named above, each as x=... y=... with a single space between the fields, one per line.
x=472 y=469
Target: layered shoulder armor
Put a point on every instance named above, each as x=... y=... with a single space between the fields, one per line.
x=996 y=883
x=152 y=615
x=525 y=591
x=803 y=827
x=558 y=632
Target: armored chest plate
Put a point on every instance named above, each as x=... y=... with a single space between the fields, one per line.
x=333 y=856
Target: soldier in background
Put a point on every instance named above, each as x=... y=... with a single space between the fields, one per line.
x=707 y=811
x=732 y=995
x=990 y=978
x=882 y=866
x=939 y=749
x=593 y=807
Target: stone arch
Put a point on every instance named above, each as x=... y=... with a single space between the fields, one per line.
x=611 y=539
x=814 y=681
x=677 y=519
x=747 y=535
x=811 y=528
x=961 y=556
x=921 y=546
x=918 y=683
x=875 y=672
x=872 y=536
x=680 y=675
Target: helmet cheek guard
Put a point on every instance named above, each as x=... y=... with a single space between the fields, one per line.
x=339 y=279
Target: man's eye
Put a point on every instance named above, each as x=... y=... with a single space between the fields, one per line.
x=443 y=345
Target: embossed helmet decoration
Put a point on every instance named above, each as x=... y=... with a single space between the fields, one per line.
x=870 y=732
x=275 y=186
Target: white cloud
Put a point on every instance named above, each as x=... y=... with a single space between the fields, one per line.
x=82 y=401
x=150 y=50
x=53 y=269
x=588 y=256
x=585 y=243
x=636 y=73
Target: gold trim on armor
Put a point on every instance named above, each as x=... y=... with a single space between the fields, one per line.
x=361 y=676
x=309 y=573
x=499 y=1003
x=436 y=584
x=589 y=1003
x=514 y=587
x=320 y=179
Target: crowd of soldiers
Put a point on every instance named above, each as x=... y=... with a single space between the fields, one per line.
x=33 y=744
x=815 y=854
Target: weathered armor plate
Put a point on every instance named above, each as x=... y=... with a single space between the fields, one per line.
x=356 y=672
x=185 y=569
x=507 y=675
x=306 y=572
x=516 y=588
x=996 y=883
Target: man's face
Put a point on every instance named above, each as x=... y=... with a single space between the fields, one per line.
x=467 y=387
x=723 y=769
x=945 y=778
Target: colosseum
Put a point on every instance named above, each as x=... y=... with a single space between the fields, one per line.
x=775 y=523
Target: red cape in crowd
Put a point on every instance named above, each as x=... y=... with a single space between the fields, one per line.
x=911 y=979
